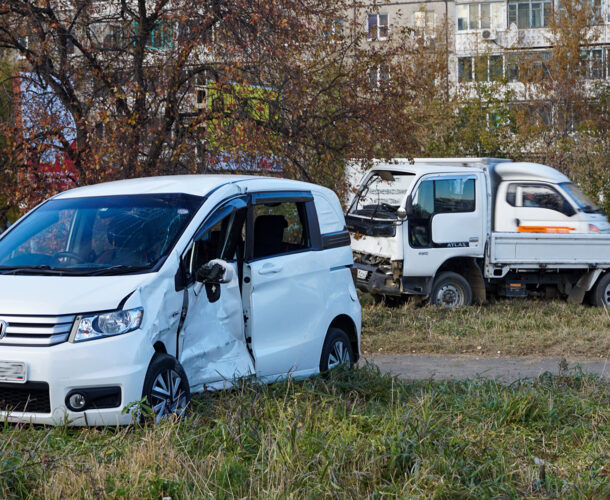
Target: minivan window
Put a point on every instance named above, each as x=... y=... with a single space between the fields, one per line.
x=97 y=235
x=224 y=239
x=280 y=228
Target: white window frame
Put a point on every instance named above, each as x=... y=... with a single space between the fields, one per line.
x=492 y=6
x=376 y=36
x=376 y=74
x=421 y=24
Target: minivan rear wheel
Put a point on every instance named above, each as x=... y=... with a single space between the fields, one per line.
x=166 y=387
x=337 y=351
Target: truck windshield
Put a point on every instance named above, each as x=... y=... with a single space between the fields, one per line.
x=98 y=235
x=380 y=196
x=585 y=204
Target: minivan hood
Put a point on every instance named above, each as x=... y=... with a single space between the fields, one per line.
x=55 y=295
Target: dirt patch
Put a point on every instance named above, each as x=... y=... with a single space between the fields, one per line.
x=502 y=369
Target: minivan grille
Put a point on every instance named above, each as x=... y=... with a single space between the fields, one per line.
x=35 y=330
x=31 y=397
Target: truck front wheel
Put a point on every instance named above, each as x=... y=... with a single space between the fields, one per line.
x=451 y=290
x=601 y=292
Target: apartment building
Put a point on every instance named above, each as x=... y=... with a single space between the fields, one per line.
x=489 y=40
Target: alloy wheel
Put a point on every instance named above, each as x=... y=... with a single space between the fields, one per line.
x=339 y=355
x=167 y=395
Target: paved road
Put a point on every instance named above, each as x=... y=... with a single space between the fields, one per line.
x=503 y=369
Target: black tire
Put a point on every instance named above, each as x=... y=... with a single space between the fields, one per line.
x=166 y=387
x=600 y=295
x=337 y=350
x=451 y=290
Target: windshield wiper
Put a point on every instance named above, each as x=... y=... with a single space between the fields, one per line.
x=588 y=209
x=118 y=269
x=41 y=269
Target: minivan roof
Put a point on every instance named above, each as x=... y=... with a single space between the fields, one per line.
x=199 y=185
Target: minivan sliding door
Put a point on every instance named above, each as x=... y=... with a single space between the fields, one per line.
x=282 y=278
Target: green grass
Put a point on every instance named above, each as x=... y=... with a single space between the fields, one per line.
x=352 y=435
x=513 y=327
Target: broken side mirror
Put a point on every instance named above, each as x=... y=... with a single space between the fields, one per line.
x=216 y=271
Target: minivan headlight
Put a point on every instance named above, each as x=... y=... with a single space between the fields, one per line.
x=107 y=324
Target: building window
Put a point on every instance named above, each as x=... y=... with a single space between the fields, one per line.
x=527 y=66
x=482 y=68
x=378 y=27
x=423 y=22
x=334 y=29
x=485 y=15
x=464 y=69
x=162 y=36
x=592 y=62
x=596 y=6
x=530 y=14
x=597 y=16
x=379 y=74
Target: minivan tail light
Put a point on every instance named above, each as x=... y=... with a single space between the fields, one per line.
x=593 y=228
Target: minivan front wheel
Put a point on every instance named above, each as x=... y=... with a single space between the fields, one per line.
x=166 y=387
x=337 y=351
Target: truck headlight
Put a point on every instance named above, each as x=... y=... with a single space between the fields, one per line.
x=107 y=324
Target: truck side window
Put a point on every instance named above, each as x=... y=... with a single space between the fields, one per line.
x=280 y=228
x=538 y=196
x=438 y=196
x=454 y=196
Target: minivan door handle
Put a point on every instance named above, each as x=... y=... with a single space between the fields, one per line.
x=269 y=268
x=473 y=239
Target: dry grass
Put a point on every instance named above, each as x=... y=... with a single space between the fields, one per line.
x=355 y=435
x=513 y=327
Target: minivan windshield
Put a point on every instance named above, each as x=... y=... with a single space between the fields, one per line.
x=585 y=204
x=97 y=235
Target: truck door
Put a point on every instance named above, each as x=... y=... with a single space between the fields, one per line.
x=447 y=219
x=213 y=344
x=282 y=277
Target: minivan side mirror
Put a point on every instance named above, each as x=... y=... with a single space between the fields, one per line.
x=216 y=271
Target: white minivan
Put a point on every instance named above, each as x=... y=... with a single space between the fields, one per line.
x=160 y=287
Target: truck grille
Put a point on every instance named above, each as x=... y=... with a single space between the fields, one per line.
x=35 y=330
x=31 y=397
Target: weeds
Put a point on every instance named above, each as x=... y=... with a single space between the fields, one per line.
x=512 y=327
x=352 y=434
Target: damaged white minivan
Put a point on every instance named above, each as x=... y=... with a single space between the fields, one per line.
x=160 y=287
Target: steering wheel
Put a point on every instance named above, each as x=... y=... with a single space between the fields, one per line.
x=68 y=255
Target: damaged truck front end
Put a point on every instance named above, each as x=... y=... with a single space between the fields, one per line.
x=377 y=232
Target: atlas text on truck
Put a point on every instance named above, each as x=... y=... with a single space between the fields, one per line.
x=454 y=230
x=156 y=288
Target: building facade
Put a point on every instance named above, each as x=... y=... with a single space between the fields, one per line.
x=504 y=32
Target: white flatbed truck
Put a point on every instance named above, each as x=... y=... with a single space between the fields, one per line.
x=455 y=230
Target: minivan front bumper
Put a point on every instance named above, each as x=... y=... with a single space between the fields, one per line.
x=54 y=372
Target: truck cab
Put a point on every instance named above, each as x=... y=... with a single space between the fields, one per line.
x=425 y=227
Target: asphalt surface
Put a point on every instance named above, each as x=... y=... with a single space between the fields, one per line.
x=502 y=369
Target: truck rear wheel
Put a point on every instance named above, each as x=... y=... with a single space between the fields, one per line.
x=451 y=290
x=601 y=292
